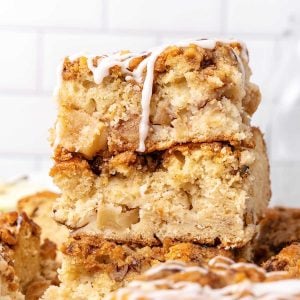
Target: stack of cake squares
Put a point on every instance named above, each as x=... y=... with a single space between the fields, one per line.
x=156 y=159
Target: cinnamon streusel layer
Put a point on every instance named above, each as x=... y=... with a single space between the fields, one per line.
x=209 y=193
x=93 y=267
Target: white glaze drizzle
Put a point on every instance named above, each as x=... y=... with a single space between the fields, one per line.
x=216 y=262
x=156 y=289
x=240 y=64
x=104 y=64
x=247 y=266
x=146 y=98
x=282 y=289
x=19 y=222
x=175 y=266
x=220 y=259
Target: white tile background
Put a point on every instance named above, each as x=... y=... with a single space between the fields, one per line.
x=35 y=35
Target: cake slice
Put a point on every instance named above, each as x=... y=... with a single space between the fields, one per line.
x=38 y=207
x=288 y=259
x=26 y=267
x=220 y=279
x=19 y=254
x=183 y=193
x=195 y=91
x=279 y=228
x=93 y=267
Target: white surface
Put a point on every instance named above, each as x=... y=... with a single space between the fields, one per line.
x=286 y=135
x=54 y=13
x=256 y=16
x=18 y=60
x=35 y=35
x=285 y=183
x=168 y=15
x=24 y=123
x=11 y=191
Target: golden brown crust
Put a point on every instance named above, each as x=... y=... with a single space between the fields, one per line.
x=8 y=274
x=74 y=163
x=39 y=208
x=90 y=253
x=26 y=267
x=36 y=289
x=10 y=225
x=288 y=259
x=279 y=228
x=48 y=250
x=19 y=253
x=197 y=57
x=129 y=142
x=30 y=203
x=252 y=99
x=73 y=166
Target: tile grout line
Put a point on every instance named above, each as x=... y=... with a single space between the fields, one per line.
x=133 y=32
x=39 y=62
x=25 y=93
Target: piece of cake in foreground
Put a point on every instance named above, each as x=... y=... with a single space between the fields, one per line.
x=220 y=279
x=197 y=91
x=93 y=267
x=89 y=273
x=280 y=227
x=19 y=254
x=38 y=207
x=288 y=259
x=183 y=193
x=26 y=267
